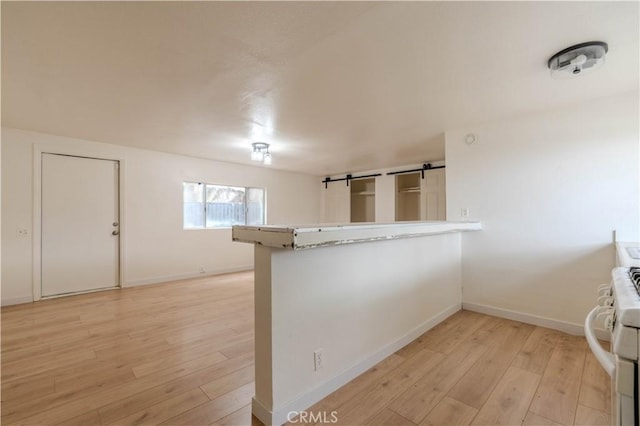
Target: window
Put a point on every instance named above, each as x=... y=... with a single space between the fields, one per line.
x=193 y=205
x=217 y=206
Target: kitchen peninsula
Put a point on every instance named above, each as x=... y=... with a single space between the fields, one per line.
x=333 y=300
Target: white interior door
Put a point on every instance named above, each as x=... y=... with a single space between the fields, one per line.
x=80 y=224
x=434 y=195
x=337 y=203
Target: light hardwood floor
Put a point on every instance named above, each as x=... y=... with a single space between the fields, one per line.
x=182 y=354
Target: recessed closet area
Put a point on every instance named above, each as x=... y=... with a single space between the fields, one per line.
x=363 y=200
x=390 y=195
x=408 y=197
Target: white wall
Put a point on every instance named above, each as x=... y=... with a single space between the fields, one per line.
x=549 y=190
x=156 y=246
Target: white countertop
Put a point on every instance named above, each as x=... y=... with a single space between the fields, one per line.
x=624 y=257
x=311 y=236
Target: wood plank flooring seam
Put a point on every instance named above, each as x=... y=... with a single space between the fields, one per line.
x=104 y=409
x=475 y=350
x=535 y=392
x=575 y=411
x=539 y=381
x=490 y=391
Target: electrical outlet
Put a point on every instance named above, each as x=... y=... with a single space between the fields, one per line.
x=317 y=360
x=465 y=211
x=202 y=271
x=23 y=232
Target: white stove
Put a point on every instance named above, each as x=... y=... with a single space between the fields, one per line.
x=634 y=252
x=619 y=307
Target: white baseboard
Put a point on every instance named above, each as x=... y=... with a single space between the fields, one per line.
x=279 y=415
x=167 y=278
x=260 y=411
x=17 y=300
x=566 y=327
x=155 y=280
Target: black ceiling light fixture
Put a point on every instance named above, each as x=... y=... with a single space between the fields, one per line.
x=578 y=59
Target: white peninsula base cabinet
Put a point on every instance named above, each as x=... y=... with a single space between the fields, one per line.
x=332 y=301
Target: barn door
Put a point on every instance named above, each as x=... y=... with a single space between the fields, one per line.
x=434 y=195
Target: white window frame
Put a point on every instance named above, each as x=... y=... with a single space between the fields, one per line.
x=204 y=203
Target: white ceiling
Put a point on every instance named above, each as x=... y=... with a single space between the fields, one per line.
x=334 y=87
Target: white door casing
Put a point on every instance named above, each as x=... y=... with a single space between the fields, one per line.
x=79 y=207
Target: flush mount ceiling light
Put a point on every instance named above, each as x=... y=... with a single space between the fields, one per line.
x=260 y=152
x=578 y=59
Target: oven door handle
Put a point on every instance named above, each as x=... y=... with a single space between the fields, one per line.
x=605 y=358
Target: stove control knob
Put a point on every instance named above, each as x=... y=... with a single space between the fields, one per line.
x=605 y=301
x=604 y=310
x=604 y=290
x=608 y=323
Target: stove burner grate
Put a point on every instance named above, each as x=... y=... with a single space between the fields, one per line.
x=634 y=273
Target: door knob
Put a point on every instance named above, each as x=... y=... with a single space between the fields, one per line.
x=115 y=232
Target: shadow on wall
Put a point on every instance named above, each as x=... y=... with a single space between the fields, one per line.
x=567 y=285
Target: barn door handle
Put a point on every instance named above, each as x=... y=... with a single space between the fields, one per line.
x=115 y=232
